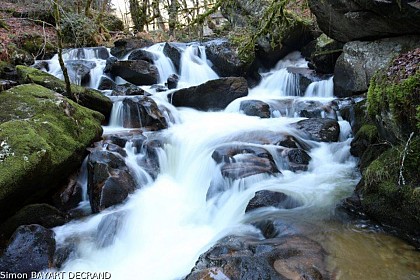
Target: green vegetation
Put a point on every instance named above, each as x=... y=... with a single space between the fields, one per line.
x=79 y=30
x=387 y=200
x=45 y=134
x=87 y=97
x=402 y=98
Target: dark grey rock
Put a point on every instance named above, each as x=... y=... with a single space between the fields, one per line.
x=138 y=72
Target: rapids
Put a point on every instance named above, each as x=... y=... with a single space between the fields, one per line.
x=165 y=226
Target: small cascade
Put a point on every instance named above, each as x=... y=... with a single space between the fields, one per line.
x=163 y=63
x=323 y=88
x=84 y=65
x=195 y=68
x=190 y=199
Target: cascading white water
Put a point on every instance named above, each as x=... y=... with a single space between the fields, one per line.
x=87 y=56
x=164 y=226
x=324 y=88
x=162 y=63
x=195 y=69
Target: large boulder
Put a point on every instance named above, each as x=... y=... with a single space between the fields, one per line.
x=89 y=98
x=319 y=129
x=142 y=111
x=235 y=258
x=361 y=60
x=79 y=71
x=31 y=249
x=109 y=180
x=138 y=72
x=124 y=46
x=43 y=140
x=212 y=95
x=346 y=21
x=225 y=59
x=255 y=108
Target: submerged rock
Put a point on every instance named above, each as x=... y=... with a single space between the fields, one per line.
x=31 y=249
x=236 y=258
x=319 y=129
x=43 y=138
x=212 y=95
x=267 y=198
x=255 y=108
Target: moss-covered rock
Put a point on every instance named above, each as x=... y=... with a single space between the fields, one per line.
x=89 y=98
x=396 y=103
x=43 y=137
x=390 y=149
x=391 y=192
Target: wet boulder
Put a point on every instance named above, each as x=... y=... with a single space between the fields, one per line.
x=109 y=180
x=294 y=159
x=124 y=46
x=172 y=81
x=273 y=227
x=127 y=89
x=138 y=72
x=142 y=111
x=31 y=249
x=106 y=83
x=319 y=129
x=212 y=95
x=225 y=59
x=227 y=152
x=70 y=195
x=109 y=62
x=174 y=53
x=289 y=257
x=275 y=199
x=255 y=108
x=142 y=55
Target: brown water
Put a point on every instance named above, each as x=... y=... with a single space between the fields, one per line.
x=354 y=253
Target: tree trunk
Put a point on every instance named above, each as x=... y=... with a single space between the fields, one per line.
x=87 y=8
x=137 y=15
x=56 y=6
x=173 y=10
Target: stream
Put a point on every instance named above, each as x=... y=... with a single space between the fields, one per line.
x=163 y=227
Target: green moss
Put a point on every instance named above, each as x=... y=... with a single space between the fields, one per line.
x=90 y=98
x=385 y=197
x=401 y=98
x=3 y=24
x=368 y=132
x=46 y=135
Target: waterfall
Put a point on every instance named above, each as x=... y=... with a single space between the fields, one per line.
x=84 y=65
x=162 y=228
x=323 y=88
x=195 y=68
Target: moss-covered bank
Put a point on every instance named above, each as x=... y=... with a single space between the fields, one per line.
x=390 y=189
x=43 y=138
x=89 y=98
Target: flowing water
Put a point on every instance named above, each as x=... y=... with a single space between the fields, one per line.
x=165 y=226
